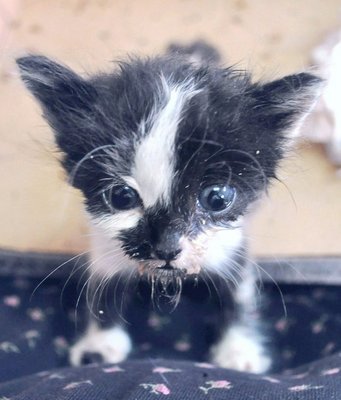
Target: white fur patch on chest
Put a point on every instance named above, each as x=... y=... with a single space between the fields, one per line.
x=154 y=162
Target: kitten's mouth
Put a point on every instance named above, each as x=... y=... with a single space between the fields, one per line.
x=167 y=274
x=168 y=271
x=162 y=270
x=167 y=266
x=166 y=284
x=159 y=268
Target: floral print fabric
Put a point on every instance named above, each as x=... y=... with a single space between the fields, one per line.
x=37 y=327
x=158 y=379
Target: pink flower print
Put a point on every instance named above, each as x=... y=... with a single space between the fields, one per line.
x=164 y=370
x=36 y=314
x=328 y=348
x=161 y=388
x=270 y=379
x=182 y=344
x=32 y=336
x=43 y=373
x=215 y=385
x=145 y=346
x=302 y=388
x=204 y=365
x=300 y=376
x=156 y=322
x=158 y=388
x=220 y=384
x=288 y=354
x=113 y=369
x=9 y=347
x=60 y=344
x=74 y=385
x=332 y=371
x=56 y=376
x=281 y=325
x=317 y=327
x=12 y=301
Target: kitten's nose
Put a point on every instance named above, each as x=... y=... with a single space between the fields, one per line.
x=167 y=255
x=166 y=244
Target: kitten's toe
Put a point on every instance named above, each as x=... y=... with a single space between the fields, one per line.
x=110 y=345
x=241 y=351
x=90 y=357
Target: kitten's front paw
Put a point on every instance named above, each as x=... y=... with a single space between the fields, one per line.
x=240 y=351
x=107 y=345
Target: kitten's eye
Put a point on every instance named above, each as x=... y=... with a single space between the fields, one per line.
x=217 y=197
x=121 y=198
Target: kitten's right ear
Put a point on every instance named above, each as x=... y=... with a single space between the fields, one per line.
x=282 y=105
x=63 y=94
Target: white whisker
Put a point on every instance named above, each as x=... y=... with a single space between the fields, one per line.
x=54 y=271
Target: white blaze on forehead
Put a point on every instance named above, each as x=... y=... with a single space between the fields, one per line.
x=154 y=163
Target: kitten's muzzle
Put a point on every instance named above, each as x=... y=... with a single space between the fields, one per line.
x=167 y=254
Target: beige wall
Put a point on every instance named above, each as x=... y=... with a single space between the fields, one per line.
x=38 y=211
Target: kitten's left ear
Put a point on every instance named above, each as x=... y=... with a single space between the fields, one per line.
x=282 y=105
x=63 y=94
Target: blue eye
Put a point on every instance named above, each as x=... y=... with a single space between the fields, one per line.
x=121 y=198
x=217 y=198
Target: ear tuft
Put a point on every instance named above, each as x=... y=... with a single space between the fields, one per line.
x=283 y=104
x=41 y=73
x=294 y=92
x=55 y=86
x=39 y=70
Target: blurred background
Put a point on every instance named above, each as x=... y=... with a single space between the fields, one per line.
x=38 y=211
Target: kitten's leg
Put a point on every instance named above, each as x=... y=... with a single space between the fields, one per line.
x=241 y=346
x=105 y=339
x=101 y=345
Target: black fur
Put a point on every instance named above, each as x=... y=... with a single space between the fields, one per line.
x=235 y=128
x=232 y=132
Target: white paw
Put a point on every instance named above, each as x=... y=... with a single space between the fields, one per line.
x=240 y=349
x=111 y=345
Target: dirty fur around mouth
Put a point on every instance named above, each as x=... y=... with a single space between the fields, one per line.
x=166 y=282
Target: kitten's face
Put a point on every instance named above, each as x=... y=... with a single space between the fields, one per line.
x=169 y=156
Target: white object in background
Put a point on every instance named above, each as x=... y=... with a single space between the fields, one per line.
x=324 y=124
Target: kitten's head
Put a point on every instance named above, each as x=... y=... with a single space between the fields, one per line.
x=169 y=155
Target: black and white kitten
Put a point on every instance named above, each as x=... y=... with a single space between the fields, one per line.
x=170 y=152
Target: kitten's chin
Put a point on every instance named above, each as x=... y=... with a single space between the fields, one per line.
x=160 y=268
x=179 y=268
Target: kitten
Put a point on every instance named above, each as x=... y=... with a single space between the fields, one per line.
x=170 y=153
